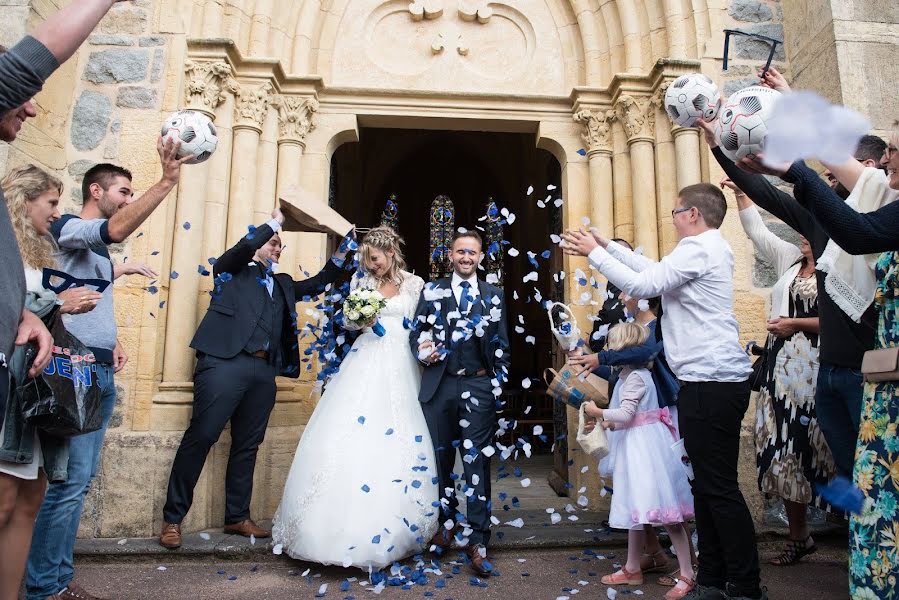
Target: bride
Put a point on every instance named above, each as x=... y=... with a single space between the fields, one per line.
x=363 y=479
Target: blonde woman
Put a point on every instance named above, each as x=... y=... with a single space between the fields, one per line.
x=360 y=489
x=28 y=458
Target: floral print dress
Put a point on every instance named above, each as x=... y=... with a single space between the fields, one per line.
x=791 y=454
x=874 y=534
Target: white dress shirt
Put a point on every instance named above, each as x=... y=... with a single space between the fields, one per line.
x=473 y=291
x=695 y=281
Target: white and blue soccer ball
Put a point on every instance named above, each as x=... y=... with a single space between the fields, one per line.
x=196 y=133
x=742 y=122
x=690 y=97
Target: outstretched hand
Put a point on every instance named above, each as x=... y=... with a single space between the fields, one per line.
x=772 y=78
x=168 y=156
x=578 y=242
x=708 y=131
x=752 y=163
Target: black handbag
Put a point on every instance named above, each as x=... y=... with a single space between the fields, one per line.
x=759 y=367
x=63 y=400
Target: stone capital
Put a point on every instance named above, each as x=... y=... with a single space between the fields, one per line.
x=204 y=86
x=637 y=116
x=597 y=134
x=251 y=104
x=296 y=117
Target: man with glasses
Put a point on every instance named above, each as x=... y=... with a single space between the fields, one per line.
x=703 y=349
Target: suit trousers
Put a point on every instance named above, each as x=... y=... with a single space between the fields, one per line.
x=241 y=389
x=443 y=413
x=710 y=414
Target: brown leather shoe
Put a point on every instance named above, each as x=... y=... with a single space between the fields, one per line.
x=443 y=539
x=76 y=592
x=171 y=536
x=480 y=562
x=247 y=528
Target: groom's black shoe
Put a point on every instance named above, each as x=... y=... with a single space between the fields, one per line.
x=480 y=562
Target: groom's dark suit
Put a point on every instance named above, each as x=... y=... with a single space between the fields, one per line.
x=470 y=366
x=247 y=337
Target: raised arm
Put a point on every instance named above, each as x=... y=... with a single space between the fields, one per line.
x=682 y=265
x=240 y=254
x=131 y=216
x=65 y=31
x=854 y=232
x=635 y=355
x=780 y=253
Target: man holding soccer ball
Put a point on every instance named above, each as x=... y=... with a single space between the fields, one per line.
x=109 y=215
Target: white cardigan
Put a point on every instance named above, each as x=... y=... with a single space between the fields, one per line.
x=780 y=253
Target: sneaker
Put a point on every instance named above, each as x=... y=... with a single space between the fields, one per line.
x=706 y=592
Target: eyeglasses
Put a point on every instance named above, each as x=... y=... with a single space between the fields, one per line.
x=680 y=210
x=762 y=38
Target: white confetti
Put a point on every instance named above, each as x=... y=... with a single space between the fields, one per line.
x=557 y=202
x=513 y=252
x=531 y=340
x=611 y=593
x=488 y=451
x=526 y=383
x=278 y=549
x=526 y=482
x=530 y=190
x=122 y=542
x=643 y=305
x=541 y=204
x=585 y=221
x=519 y=523
x=538 y=429
x=555 y=518
x=532 y=276
x=323 y=589
x=550 y=187
x=555 y=239
x=162 y=568
x=205 y=535
x=252 y=540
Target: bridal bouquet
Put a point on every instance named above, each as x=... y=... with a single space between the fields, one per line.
x=363 y=305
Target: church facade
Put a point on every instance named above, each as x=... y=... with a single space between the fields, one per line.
x=289 y=83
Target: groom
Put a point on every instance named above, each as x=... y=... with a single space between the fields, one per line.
x=459 y=334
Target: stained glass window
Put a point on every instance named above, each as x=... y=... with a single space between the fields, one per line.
x=443 y=223
x=390 y=217
x=494 y=233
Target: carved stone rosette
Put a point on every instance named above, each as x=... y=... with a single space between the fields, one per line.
x=204 y=86
x=638 y=117
x=296 y=118
x=251 y=103
x=597 y=134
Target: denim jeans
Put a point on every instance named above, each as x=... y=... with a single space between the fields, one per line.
x=838 y=402
x=50 y=561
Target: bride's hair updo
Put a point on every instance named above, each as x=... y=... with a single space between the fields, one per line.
x=386 y=240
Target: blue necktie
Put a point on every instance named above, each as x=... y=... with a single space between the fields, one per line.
x=464 y=302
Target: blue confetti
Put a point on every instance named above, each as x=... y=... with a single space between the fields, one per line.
x=174 y=275
x=842 y=493
x=582 y=152
x=186 y=226
x=389 y=431
x=152 y=289
x=365 y=488
x=376 y=539
x=202 y=270
x=361 y=420
x=418 y=438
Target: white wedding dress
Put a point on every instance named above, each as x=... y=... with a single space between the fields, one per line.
x=363 y=480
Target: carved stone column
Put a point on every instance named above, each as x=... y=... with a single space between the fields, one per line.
x=621 y=182
x=637 y=116
x=597 y=136
x=204 y=92
x=666 y=179
x=250 y=108
x=296 y=118
x=686 y=147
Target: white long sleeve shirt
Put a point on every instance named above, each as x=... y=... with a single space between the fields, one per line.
x=695 y=281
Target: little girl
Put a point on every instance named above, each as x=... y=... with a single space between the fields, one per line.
x=651 y=487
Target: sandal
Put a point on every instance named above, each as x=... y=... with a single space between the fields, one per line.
x=670 y=580
x=676 y=593
x=623 y=577
x=794 y=551
x=654 y=563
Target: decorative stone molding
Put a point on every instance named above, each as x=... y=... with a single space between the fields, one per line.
x=597 y=133
x=425 y=9
x=638 y=116
x=471 y=10
x=204 y=86
x=296 y=117
x=251 y=104
x=440 y=43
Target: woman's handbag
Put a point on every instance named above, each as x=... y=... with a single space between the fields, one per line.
x=64 y=400
x=759 y=367
x=594 y=443
x=566 y=386
x=881 y=365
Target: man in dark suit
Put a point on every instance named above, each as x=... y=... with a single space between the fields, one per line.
x=459 y=333
x=248 y=336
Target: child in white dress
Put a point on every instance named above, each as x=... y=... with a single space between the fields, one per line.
x=651 y=487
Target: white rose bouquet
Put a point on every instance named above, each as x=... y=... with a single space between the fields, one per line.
x=363 y=306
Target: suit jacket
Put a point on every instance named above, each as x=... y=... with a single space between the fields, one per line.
x=496 y=335
x=238 y=301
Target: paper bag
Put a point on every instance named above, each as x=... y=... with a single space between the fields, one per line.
x=305 y=212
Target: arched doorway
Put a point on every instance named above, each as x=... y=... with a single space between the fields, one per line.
x=412 y=167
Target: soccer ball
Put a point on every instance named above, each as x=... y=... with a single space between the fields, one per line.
x=195 y=131
x=691 y=97
x=741 y=126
